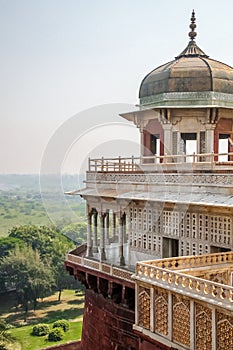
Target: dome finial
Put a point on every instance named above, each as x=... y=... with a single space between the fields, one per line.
x=192 y=50
x=192 y=26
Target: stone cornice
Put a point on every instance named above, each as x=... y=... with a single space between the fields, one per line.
x=188 y=100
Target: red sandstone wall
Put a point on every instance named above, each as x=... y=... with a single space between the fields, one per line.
x=153 y=127
x=146 y=345
x=107 y=326
x=69 y=346
x=224 y=126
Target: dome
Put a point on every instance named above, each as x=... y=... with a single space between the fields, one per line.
x=190 y=72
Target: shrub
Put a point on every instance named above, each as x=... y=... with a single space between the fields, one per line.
x=40 y=329
x=64 y=324
x=56 y=334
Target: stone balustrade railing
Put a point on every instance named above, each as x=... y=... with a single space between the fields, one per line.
x=108 y=269
x=197 y=288
x=135 y=164
x=189 y=262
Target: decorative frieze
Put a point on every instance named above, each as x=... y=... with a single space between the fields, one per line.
x=178 y=178
x=187 y=99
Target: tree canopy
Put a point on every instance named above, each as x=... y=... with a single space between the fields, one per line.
x=32 y=279
x=41 y=238
x=9 y=243
x=39 y=255
x=76 y=232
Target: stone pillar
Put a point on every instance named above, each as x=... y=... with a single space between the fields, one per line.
x=121 y=240
x=210 y=138
x=124 y=229
x=107 y=229
x=102 y=240
x=89 y=236
x=95 y=241
x=114 y=226
x=167 y=138
x=142 y=142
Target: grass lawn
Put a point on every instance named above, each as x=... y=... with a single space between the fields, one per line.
x=30 y=342
x=48 y=311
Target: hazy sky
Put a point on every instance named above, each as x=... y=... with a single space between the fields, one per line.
x=60 y=57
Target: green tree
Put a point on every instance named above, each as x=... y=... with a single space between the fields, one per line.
x=76 y=232
x=62 y=279
x=41 y=238
x=9 y=243
x=31 y=277
x=52 y=246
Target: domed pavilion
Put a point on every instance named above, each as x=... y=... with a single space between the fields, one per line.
x=186 y=106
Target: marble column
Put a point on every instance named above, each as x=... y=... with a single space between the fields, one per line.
x=107 y=228
x=95 y=240
x=114 y=226
x=210 y=138
x=102 y=240
x=121 y=241
x=124 y=228
x=89 y=235
x=167 y=128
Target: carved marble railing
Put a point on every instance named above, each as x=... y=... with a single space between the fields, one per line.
x=182 y=312
x=195 y=261
x=137 y=164
x=100 y=266
x=193 y=287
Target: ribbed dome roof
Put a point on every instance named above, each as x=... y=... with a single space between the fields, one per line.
x=188 y=74
x=191 y=71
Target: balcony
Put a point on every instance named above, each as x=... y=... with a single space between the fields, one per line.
x=103 y=277
x=186 y=302
x=153 y=177
x=209 y=162
x=183 y=302
x=77 y=259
